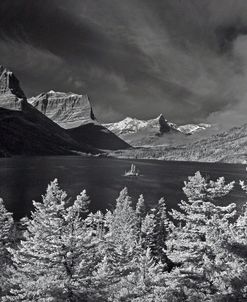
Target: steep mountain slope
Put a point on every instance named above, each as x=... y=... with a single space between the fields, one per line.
x=74 y=113
x=98 y=136
x=26 y=131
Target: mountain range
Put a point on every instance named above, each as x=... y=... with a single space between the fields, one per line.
x=74 y=113
x=63 y=123
x=50 y=124
x=153 y=132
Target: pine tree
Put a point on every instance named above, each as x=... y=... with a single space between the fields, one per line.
x=199 y=188
x=96 y=222
x=55 y=261
x=237 y=248
x=140 y=213
x=155 y=228
x=147 y=229
x=123 y=227
x=120 y=249
x=160 y=233
x=196 y=243
x=6 y=228
x=140 y=207
x=149 y=270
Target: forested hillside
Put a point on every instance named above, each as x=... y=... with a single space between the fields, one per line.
x=64 y=253
x=229 y=146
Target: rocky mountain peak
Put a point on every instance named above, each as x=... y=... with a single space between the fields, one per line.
x=10 y=84
x=163 y=124
x=11 y=95
x=69 y=110
x=133 y=125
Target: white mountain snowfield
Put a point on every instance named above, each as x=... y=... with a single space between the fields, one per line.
x=133 y=125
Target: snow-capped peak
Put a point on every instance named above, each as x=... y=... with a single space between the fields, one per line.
x=131 y=125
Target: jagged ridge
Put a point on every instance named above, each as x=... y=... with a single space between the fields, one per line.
x=26 y=131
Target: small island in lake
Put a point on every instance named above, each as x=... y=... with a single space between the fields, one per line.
x=132 y=172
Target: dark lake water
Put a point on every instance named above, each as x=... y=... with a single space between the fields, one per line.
x=25 y=179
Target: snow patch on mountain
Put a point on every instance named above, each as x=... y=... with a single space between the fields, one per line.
x=133 y=125
x=192 y=128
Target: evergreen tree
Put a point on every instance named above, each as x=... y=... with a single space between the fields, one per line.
x=147 y=229
x=123 y=227
x=155 y=228
x=55 y=261
x=120 y=249
x=196 y=243
x=237 y=247
x=199 y=188
x=6 y=228
x=160 y=233
x=96 y=223
x=140 y=213
x=140 y=207
x=108 y=220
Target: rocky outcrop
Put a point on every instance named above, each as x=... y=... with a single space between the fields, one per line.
x=24 y=130
x=74 y=113
x=164 y=126
x=11 y=95
x=68 y=110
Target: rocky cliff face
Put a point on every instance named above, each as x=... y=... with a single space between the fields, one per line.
x=68 y=110
x=24 y=130
x=74 y=113
x=11 y=95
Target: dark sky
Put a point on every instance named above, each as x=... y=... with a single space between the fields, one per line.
x=186 y=59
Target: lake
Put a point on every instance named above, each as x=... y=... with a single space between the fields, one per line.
x=23 y=179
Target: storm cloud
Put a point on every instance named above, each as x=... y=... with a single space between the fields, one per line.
x=186 y=59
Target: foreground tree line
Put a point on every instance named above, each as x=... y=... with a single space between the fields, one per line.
x=195 y=253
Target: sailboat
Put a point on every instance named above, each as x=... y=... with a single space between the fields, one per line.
x=132 y=172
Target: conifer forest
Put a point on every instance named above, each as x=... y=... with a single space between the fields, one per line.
x=62 y=252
